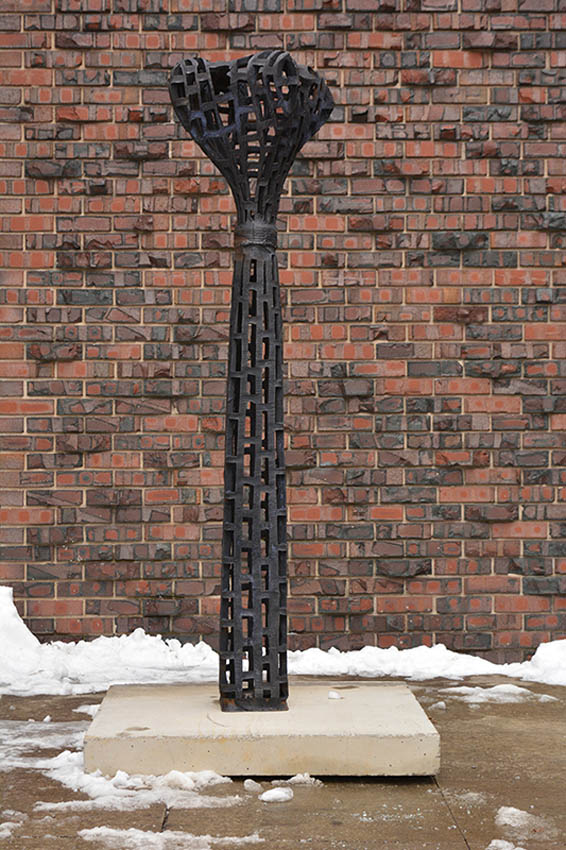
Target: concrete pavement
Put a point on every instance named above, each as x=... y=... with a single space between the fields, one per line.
x=501 y=780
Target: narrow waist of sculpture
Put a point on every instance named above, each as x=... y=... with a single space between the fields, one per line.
x=255 y=233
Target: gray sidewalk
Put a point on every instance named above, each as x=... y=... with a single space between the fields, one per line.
x=501 y=783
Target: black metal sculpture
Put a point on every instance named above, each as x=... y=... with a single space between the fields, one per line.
x=251 y=116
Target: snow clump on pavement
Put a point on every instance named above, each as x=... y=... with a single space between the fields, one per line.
x=277 y=795
x=91 y=710
x=523 y=826
x=334 y=695
x=9 y=826
x=298 y=779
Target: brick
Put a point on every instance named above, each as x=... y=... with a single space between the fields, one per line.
x=521 y=530
x=421 y=257
x=231 y=22
x=45 y=169
x=141 y=152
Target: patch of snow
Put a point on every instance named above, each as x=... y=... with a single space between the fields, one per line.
x=9 y=826
x=47 y=719
x=125 y=792
x=438 y=706
x=509 y=816
x=470 y=798
x=500 y=844
x=91 y=709
x=547 y=698
x=496 y=694
x=523 y=825
x=334 y=695
x=22 y=745
x=277 y=795
x=19 y=738
x=252 y=786
x=138 y=839
x=28 y=667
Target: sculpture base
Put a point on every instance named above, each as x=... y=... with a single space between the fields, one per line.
x=253 y=704
x=362 y=729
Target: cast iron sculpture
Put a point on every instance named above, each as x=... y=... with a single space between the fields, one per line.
x=251 y=116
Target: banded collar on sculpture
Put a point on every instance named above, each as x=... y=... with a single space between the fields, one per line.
x=255 y=232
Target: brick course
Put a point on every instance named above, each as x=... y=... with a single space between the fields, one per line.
x=422 y=240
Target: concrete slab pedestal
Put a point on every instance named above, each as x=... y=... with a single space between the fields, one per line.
x=371 y=729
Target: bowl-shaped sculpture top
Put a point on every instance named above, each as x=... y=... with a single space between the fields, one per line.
x=251 y=116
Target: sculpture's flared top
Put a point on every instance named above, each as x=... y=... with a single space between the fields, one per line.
x=251 y=116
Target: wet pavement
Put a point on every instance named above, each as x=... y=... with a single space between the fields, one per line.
x=501 y=784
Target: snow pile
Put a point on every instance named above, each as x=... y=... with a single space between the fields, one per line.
x=419 y=663
x=125 y=792
x=501 y=844
x=138 y=839
x=547 y=665
x=20 y=649
x=497 y=694
x=28 y=667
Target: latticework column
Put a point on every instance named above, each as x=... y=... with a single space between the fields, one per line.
x=251 y=117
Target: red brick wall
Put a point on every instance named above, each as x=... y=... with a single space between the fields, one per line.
x=422 y=265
